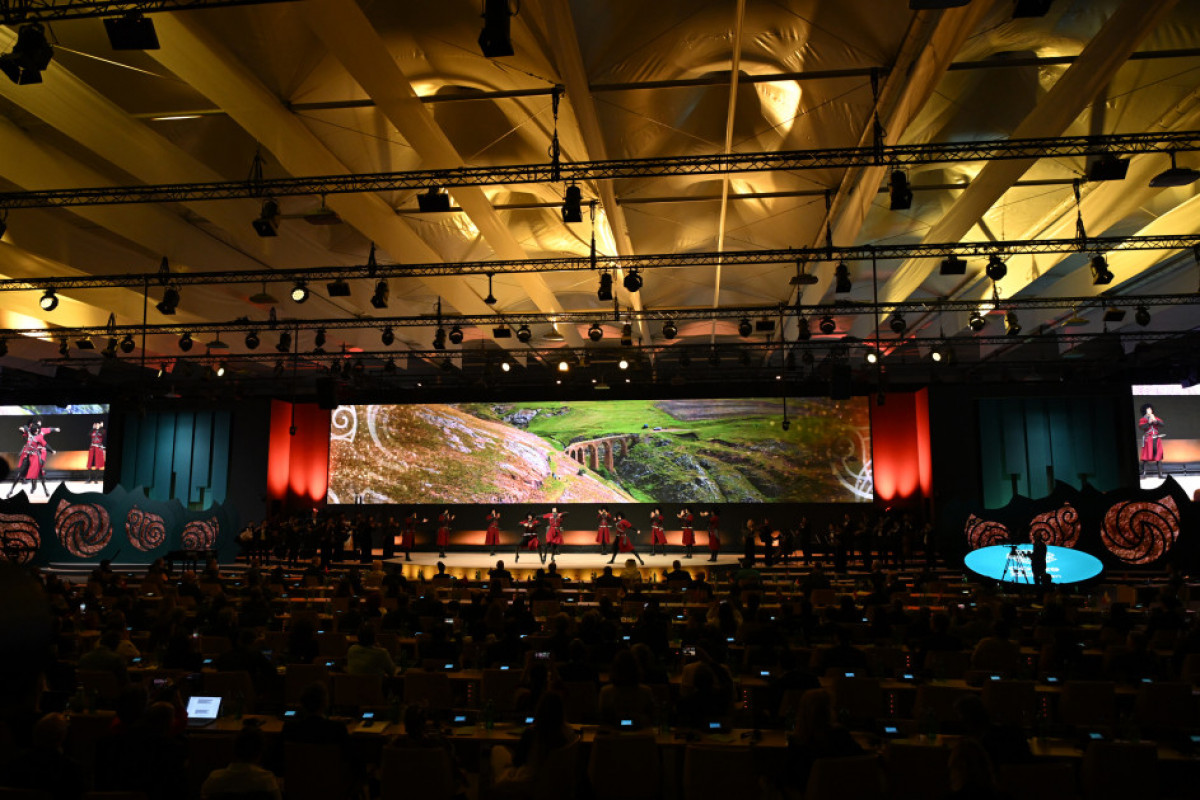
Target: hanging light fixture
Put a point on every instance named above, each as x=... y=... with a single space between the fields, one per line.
x=669 y=330
x=49 y=300
x=977 y=322
x=491 y=298
x=185 y=342
x=900 y=194
x=252 y=340
x=299 y=292
x=572 y=208
x=827 y=325
x=388 y=336
x=604 y=292
x=897 y=324
x=996 y=269
x=841 y=279
x=595 y=333
x=744 y=328
x=633 y=281
x=1101 y=274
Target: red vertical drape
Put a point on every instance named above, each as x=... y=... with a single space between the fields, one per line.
x=298 y=464
x=900 y=448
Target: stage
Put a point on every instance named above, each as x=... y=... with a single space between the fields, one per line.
x=573 y=565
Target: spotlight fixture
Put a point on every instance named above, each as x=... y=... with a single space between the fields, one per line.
x=803 y=330
x=252 y=340
x=220 y=370
x=49 y=300
x=604 y=293
x=744 y=328
x=900 y=194
x=627 y=335
x=841 y=278
x=623 y=364
x=953 y=265
x=977 y=322
x=1175 y=176
x=1101 y=274
x=1142 y=316
x=185 y=342
x=64 y=349
x=388 y=336
x=872 y=357
x=764 y=325
x=524 y=334
x=433 y=201
x=502 y=332
x=29 y=56
x=827 y=325
x=389 y=366
x=633 y=281
x=897 y=324
x=572 y=209
x=505 y=366
x=131 y=32
x=262 y=298
x=439 y=338
x=595 y=333
x=285 y=342
x=338 y=288
x=85 y=343
x=1114 y=314
x=996 y=268
x=491 y=298
x=278 y=369
x=1107 y=168
x=169 y=302
x=267 y=224
x=380 y=297
x=456 y=335
x=495 y=40
x=319 y=338
x=669 y=331
x=563 y=366
x=938 y=354
x=554 y=334
x=299 y=292
x=127 y=344
x=1012 y=326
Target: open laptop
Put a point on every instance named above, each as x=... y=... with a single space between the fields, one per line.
x=202 y=711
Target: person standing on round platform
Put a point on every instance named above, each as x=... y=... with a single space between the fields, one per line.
x=689 y=533
x=658 y=537
x=714 y=532
x=603 y=517
x=1152 y=449
x=491 y=538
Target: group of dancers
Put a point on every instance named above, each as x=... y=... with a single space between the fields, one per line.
x=615 y=533
x=31 y=464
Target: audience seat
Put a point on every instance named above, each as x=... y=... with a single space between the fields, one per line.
x=860 y=700
x=432 y=688
x=1010 y=702
x=916 y=772
x=298 y=677
x=719 y=773
x=1119 y=771
x=418 y=772
x=499 y=687
x=1055 y=780
x=353 y=693
x=854 y=778
x=230 y=686
x=1085 y=704
x=316 y=772
x=625 y=767
x=1164 y=707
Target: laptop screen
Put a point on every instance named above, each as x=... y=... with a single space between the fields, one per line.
x=203 y=707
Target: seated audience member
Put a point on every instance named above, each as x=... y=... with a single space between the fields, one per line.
x=312 y=725
x=245 y=657
x=578 y=668
x=1003 y=745
x=148 y=757
x=104 y=658
x=1133 y=662
x=817 y=736
x=45 y=767
x=364 y=657
x=534 y=683
x=548 y=734
x=677 y=574
x=631 y=574
x=625 y=697
x=996 y=653
x=499 y=574
x=843 y=656
x=302 y=647
x=704 y=701
x=972 y=776
x=606 y=580
x=243 y=778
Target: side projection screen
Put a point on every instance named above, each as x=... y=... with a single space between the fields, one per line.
x=619 y=451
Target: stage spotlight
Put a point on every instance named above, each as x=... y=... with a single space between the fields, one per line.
x=623 y=364
x=185 y=342
x=252 y=340
x=953 y=265
x=338 y=288
x=433 y=201
x=764 y=325
x=633 y=281
x=220 y=370
x=841 y=279
x=524 y=334
x=1101 y=274
x=1012 y=326
x=872 y=357
x=29 y=56
x=495 y=40
x=49 y=300
x=267 y=223
x=604 y=293
x=127 y=344
x=1114 y=314
x=572 y=210
x=299 y=292
x=131 y=32
x=285 y=342
x=1175 y=176
x=900 y=194
x=456 y=335
x=803 y=330
x=319 y=339
x=669 y=331
x=897 y=324
x=491 y=298
x=938 y=354
x=85 y=343
x=563 y=366
x=64 y=349
x=389 y=366
x=169 y=302
x=502 y=332
x=977 y=322
x=1107 y=168
x=439 y=338
x=996 y=268
x=827 y=325
x=595 y=333
x=387 y=336
x=278 y=369
x=627 y=335
x=505 y=366
x=1142 y=316
x=744 y=328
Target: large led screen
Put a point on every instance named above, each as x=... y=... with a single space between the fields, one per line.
x=45 y=446
x=618 y=451
x=1164 y=424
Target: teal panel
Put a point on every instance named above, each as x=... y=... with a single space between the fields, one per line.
x=219 y=468
x=164 y=453
x=1039 y=434
x=991 y=446
x=1016 y=453
x=185 y=444
x=145 y=450
x=201 y=458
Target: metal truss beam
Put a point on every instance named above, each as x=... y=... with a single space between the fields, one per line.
x=810 y=255
x=715 y=164
x=18 y=11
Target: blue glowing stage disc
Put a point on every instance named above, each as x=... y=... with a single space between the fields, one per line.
x=1063 y=564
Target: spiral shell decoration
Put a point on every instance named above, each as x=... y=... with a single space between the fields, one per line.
x=343 y=423
x=1141 y=532
x=200 y=534
x=19 y=538
x=982 y=533
x=146 y=531
x=1060 y=527
x=83 y=528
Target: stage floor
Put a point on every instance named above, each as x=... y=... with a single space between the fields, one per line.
x=575 y=566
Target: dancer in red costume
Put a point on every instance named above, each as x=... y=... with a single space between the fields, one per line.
x=623 y=542
x=95 y=462
x=554 y=535
x=31 y=465
x=603 y=517
x=408 y=534
x=492 y=537
x=689 y=533
x=529 y=537
x=1152 y=436
x=714 y=534
x=443 y=531
x=658 y=537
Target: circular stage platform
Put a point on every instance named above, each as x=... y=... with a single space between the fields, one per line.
x=1063 y=564
x=574 y=566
